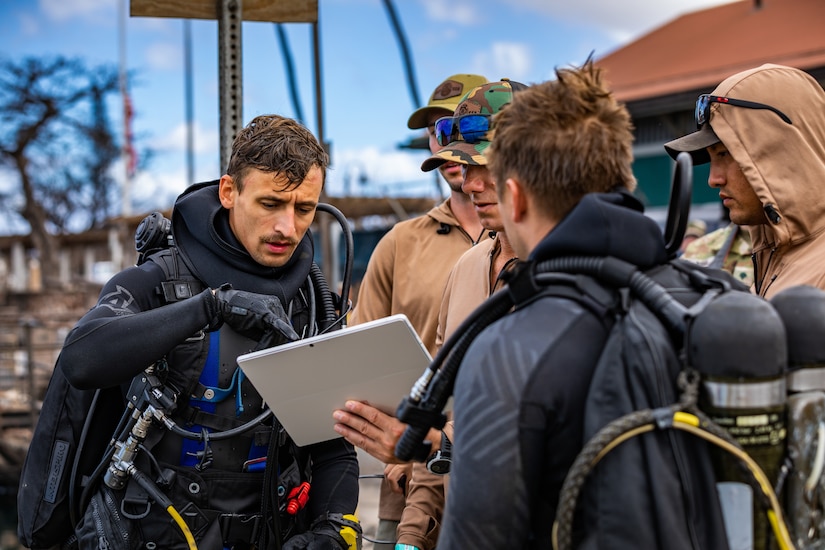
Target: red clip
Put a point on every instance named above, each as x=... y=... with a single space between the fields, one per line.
x=297 y=498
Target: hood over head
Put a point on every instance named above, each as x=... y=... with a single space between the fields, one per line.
x=784 y=162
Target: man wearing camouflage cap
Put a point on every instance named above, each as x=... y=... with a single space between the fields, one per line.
x=488 y=259
x=483 y=101
x=465 y=136
x=409 y=267
x=475 y=276
x=427 y=245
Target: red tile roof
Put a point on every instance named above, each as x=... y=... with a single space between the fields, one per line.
x=700 y=49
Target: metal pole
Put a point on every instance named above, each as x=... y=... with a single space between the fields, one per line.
x=230 y=75
x=189 y=101
x=126 y=190
x=327 y=249
x=316 y=60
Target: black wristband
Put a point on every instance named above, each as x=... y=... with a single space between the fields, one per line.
x=440 y=461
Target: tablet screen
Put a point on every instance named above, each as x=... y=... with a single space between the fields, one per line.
x=304 y=381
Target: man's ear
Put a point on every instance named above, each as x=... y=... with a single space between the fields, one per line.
x=225 y=191
x=518 y=199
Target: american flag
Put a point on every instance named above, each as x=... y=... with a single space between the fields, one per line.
x=128 y=145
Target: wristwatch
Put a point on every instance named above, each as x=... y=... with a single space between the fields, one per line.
x=440 y=461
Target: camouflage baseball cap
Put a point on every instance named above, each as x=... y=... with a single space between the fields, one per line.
x=487 y=99
x=445 y=98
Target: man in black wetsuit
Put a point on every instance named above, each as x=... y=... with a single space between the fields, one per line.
x=243 y=278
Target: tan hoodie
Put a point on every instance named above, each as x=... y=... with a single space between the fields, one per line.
x=785 y=165
x=408 y=270
x=406 y=274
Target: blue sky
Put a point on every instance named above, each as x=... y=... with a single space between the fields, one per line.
x=366 y=96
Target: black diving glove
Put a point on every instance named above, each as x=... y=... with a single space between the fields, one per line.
x=330 y=532
x=257 y=316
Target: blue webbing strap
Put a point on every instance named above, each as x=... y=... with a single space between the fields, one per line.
x=209 y=378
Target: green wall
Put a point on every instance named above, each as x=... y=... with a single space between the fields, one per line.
x=655 y=176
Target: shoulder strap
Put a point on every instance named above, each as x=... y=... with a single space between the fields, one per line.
x=601 y=301
x=180 y=283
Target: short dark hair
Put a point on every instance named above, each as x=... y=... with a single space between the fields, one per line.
x=564 y=138
x=273 y=143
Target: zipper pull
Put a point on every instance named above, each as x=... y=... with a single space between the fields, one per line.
x=773 y=215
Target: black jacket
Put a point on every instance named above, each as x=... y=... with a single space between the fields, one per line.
x=520 y=391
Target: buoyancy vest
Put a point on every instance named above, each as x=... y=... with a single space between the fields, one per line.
x=215 y=396
x=220 y=485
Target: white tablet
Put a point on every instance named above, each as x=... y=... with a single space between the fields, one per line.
x=304 y=381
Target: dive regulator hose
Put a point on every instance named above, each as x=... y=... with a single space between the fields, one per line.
x=153 y=491
x=422 y=409
x=639 y=422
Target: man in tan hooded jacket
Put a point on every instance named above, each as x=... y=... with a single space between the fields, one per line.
x=763 y=132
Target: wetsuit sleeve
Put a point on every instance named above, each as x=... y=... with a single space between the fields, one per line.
x=334 y=487
x=129 y=329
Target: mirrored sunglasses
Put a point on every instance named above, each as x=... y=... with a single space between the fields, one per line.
x=704 y=102
x=469 y=128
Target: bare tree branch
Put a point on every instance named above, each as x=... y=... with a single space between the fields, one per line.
x=57 y=140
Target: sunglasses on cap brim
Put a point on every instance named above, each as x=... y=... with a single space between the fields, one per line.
x=704 y=102
x=468 y=128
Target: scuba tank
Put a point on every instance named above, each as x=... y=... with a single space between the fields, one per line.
x=802 y=309
x=744 y=391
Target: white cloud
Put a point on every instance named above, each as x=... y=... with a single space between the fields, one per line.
x=373 y=171
x=504 y=60
x=460 y=12
x=166 y=176
x=61 y=10
x=155 y=189
x=163 y=56
x=206 y=140
x=623 y=20
x=29 y=24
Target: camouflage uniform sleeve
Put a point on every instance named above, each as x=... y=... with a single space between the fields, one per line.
x=738 y=262
x=704 y=249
